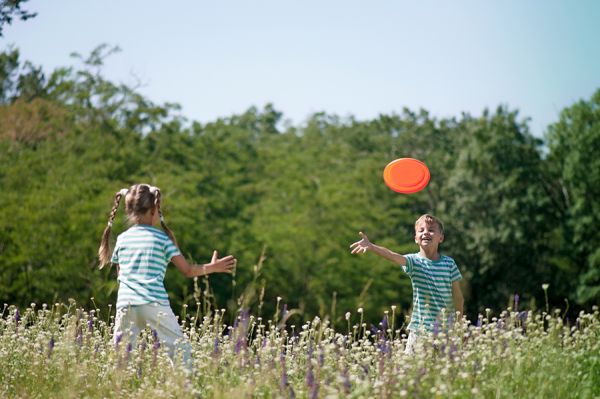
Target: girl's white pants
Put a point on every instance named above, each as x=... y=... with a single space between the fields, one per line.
x=131 y=320
x=411 y=343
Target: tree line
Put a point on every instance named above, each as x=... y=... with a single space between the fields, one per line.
x=519 y=211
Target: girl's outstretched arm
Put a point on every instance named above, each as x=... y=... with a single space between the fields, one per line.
x=216 y=265
x=364 y=245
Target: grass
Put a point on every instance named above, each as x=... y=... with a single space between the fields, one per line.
x=66 y=351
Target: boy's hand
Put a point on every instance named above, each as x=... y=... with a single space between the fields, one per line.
x=223 y=265
x=360 y=247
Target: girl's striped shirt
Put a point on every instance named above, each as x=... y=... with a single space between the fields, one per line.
x=143 y=253
x=432 y=288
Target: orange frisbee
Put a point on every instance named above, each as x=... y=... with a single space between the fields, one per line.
x=406 y=175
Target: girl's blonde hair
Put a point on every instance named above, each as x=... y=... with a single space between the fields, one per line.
x=139 y=199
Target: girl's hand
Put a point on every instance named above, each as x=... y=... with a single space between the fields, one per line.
x=223 y=265
x=360 y=247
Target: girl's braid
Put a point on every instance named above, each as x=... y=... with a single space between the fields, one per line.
x=162 y=219
x=104 y=252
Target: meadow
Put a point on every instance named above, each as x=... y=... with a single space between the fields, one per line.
x=66 y=351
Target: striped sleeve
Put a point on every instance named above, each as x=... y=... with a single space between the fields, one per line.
x=454 y=272
x=408 y=268
x=115 y=254
x=171 y=250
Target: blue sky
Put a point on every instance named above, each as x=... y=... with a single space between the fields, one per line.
x=350 y=57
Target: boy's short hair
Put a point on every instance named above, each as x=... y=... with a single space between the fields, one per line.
x=430 y=219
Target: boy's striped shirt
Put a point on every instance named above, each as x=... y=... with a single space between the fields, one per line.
x=143 y=253
x=432 y=288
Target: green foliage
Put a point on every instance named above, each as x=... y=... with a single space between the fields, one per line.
x=574 y=142
x=10 y=9
x=287 y=202
x=495 y=205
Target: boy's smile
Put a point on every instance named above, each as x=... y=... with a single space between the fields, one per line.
x=428 y=235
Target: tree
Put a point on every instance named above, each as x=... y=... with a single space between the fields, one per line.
x=298 y=195
x=496 y=209
x=574 y=144
x=10 y=9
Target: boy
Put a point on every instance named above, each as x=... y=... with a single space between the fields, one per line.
x=435 y=278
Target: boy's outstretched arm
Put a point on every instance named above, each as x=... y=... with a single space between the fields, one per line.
x=364 y=245
x=457 y=298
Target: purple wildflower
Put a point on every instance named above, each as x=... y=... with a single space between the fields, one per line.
x=365 y=369
x=156 y=344
x=245 y=318
x=17 y=317
x=284 y=378
x=310 y=377
x=238 y=346
x=90 y=322
x=50 y=346
x=479 y=321
x=118 y=339
x=314 y=392
x=523 y=316
x=436 y=328
x=452 y=351
x=516 y=302
x=384 y=323
x=346 y=382
x=321 y=356
x=381 y=364
x=469 y=335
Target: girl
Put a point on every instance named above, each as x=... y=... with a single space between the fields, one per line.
x=142 y=254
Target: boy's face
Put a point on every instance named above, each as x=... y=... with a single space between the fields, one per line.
x=428 y=235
